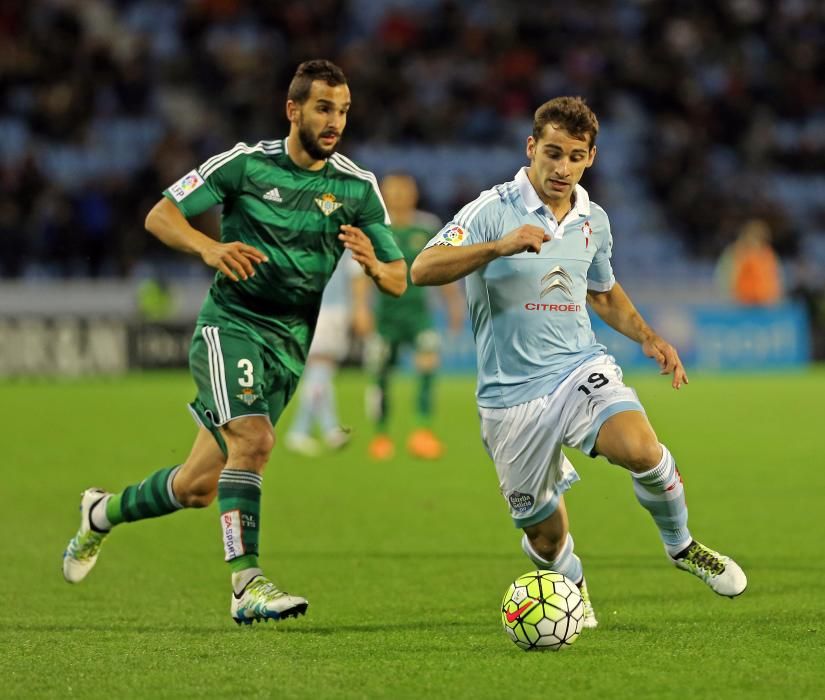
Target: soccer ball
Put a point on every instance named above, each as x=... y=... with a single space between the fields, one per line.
x=542 y=610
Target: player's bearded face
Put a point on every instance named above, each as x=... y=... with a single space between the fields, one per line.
x=313 y=139
x=321 y=119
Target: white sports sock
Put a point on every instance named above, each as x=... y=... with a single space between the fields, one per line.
x=97 y=515
x=241 y=579
x=566 y=563
x=324 y=399
x=316 y=399
x=661 y=493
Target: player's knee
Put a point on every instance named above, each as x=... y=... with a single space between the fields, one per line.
x=548 y=545
x=642 y=452
x=253 y=449
x=198 y=499
x=196 y=493
x=628 y=439
x=426 y=362
x=263 y=444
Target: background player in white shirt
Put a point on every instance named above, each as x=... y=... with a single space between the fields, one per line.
x=534 y=251
x=330 y=345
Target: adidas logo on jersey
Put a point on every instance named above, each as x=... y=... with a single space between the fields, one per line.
x=273 y=195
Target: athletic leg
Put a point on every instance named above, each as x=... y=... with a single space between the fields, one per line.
x=317 y=392
x=299 y=438
x=243 y=387
x=381 y=358
x=524 y=442
x=423 y=442
x=426 y=364
x=249 y=443
x=627 y=439
x=192 y=484
x=549 y=545
x=335 y=437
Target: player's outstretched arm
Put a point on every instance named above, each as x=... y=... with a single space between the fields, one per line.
x=442 y=264
x=616 y=309
x=236 y=260
x=389 y=277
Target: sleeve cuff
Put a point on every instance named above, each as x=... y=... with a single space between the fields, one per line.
x=593 y=286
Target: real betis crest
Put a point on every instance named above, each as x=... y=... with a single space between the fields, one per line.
x=248 y=396
x=327 y=204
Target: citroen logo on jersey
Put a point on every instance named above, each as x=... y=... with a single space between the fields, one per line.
x=327 y=204
x=557 y=278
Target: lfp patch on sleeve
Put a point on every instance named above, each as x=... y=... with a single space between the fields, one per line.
x=186 y=185
x=454 y=235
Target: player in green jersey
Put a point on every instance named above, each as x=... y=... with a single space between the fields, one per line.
x=407 y=321
x=290 y=208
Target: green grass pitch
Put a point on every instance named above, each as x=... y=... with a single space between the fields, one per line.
x=405 y=562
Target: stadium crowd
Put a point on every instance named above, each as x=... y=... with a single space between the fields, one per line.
x=103 y=103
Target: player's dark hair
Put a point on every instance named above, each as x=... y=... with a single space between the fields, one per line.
x=569 y=113
x=310 y=71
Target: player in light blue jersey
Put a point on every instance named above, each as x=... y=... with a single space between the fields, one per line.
x=535 y=250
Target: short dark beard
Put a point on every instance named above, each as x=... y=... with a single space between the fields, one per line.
x=314 y=149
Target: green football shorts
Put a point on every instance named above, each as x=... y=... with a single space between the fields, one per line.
x=236 y=375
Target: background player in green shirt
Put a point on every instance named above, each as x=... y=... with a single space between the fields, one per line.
x=407 y=321
x=290 y=208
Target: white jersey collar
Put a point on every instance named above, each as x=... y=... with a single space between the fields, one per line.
x=531 y=199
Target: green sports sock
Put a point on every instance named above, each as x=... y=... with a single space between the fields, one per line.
x=383 y=407
x=151 y=498
x=239 y=499
x=113 y=513
x=425 y=398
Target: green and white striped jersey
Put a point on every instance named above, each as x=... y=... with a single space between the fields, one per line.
x=293 y=216
x=411 y=309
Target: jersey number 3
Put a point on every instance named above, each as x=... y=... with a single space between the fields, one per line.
x=247 y=380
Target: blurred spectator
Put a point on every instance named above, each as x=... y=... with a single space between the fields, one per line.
x=756 y=275
x=97 y=95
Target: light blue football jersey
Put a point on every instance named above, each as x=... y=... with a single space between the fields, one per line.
x=528 y=310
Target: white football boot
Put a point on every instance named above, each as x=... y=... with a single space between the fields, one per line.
x=721 y=573
x=589 y=620
x=337 y=438
x=81 y=552
x=261 y=600
x=302 y=444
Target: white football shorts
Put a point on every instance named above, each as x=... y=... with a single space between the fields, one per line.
x=525 y=441
x=331 y=337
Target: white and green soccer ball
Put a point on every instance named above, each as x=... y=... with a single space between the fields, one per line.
x=542 y=610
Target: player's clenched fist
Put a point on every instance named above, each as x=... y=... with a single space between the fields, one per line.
x=234 y=259
x=524 y=238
